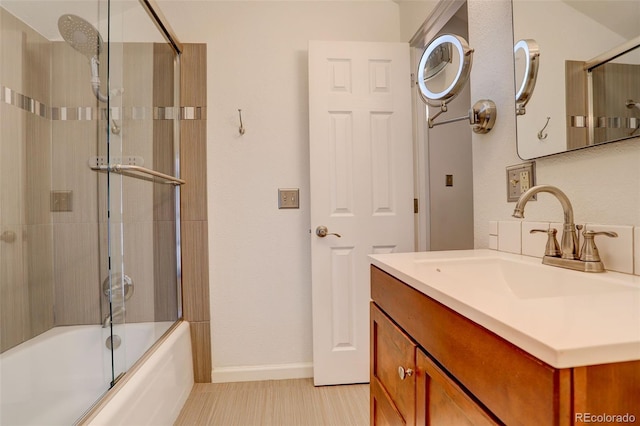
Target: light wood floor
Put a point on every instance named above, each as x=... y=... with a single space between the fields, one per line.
x=276 y=402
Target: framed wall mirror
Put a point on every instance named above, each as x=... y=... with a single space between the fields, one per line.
x=574 y=103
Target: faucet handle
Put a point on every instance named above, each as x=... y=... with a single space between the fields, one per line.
x=553 y=248
x=589 y=250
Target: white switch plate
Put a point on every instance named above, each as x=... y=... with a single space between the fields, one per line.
x=288 y=198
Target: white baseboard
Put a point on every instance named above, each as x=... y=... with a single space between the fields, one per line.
x=252 y=373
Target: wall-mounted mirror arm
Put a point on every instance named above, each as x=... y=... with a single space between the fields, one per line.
x=450 y=120
x=443 y=109
x=482 y=116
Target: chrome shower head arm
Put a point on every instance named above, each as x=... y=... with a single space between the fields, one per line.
x=95 y=80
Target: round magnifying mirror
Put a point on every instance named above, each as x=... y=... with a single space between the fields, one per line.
x=444 y=69
x=527 y=59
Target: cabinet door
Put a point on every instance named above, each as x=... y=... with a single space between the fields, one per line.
x=383 y=410
x=393 y=381
x=440 y=401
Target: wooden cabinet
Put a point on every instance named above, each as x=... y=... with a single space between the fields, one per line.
x=407 y=387
x=461 y=373
x=393 y=382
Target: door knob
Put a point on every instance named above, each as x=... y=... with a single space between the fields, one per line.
x=322 y=231
x=404 y=373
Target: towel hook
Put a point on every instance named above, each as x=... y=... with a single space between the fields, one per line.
x=241 y=128
x=544 y=136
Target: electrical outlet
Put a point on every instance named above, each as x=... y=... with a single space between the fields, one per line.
x=524 y=181
x=288 y=198
x=520 y=178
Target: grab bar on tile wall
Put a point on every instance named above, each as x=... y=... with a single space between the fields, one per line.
x=126 y=168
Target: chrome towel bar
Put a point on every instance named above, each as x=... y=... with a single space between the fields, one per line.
x=126 y=168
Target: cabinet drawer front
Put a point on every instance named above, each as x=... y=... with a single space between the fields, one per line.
x=516 y=387
x=391 y=349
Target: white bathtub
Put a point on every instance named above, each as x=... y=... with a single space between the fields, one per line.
x=49 y=380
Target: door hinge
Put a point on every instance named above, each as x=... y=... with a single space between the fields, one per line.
x=413 y=81
x=415 y=205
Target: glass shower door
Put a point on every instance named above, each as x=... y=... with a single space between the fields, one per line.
x=54 y=360
x=89 y=261
x=141 y=189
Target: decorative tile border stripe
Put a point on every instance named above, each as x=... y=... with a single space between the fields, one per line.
x=183 y=113
x=193 y=113
x=606 y=122
x=11 y=97
x=76 y=114
x=23 y=102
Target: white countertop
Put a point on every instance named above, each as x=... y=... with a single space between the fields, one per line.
x=570 y=330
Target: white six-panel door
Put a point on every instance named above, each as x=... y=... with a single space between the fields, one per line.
x=361 y=188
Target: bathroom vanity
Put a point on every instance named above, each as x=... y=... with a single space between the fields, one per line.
x=460 y=338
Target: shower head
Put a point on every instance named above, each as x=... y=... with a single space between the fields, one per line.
x=86 y=39
x=80 y=35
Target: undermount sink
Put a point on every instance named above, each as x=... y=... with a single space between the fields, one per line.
x=525 y=280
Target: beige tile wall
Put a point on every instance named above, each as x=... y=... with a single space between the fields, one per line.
x=51 y=274
x=195 y=270
x=26 y=252
x=165 y=297
x=75 y=233
x=75 y=143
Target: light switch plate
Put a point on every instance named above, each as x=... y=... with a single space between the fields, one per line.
x=288 y=198
x=520 y=178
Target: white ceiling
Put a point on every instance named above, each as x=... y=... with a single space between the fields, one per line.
x=129 y=20
x=621 y=16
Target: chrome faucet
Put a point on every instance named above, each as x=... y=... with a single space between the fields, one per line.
x=569 y=254
x=569 y=244
x=119 y=311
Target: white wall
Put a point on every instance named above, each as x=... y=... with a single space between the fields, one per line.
x=260 y=256
x=603 y=183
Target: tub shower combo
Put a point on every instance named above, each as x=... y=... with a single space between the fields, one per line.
x=89 y=201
